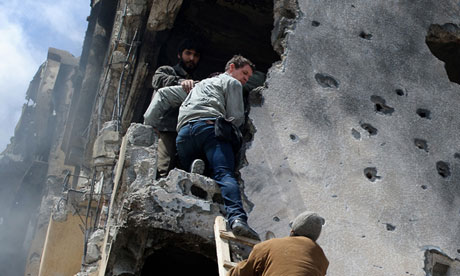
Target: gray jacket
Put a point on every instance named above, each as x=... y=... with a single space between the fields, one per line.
x=166 y=76
x=163 y=101
x=220 y=96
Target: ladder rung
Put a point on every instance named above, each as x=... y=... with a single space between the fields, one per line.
x=229 y=265
x=230 y=236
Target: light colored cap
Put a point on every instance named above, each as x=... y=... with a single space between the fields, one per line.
x=307 y=224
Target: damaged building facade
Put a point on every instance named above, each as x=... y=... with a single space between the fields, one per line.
x=357 y=121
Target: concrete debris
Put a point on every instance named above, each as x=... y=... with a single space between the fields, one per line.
x=106 y=146
x=140 y=135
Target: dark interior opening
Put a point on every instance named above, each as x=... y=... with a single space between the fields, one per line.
x=440 y=269
x=224 y=28
x=176 y=261
x=444 y=43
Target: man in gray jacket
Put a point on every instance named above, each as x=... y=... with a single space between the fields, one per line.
x=220 y=96
x=166 y=76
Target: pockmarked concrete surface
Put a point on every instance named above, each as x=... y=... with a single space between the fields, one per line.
x=360 y=123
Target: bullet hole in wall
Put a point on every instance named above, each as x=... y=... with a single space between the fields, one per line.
x=326 y=81
x=424 y=187
x=424 y=113
x=371 y=174
x=443 y=169
x=365 y=35
x=315 y=23
x=369 y=128
x=381 y=106
x=390 y=227
x=294 y=137
x=276 y=219
x=421 y=144
x=399 y=92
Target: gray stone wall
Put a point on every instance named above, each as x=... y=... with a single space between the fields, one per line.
x=359 y=123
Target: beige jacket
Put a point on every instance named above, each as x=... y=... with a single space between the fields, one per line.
x=290 y=256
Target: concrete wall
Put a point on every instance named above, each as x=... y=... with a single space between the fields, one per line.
x=63 y=250
x=350 y=66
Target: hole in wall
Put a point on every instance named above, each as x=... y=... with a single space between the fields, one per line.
x=371 y=174
x=440 y=269
x=355 y=134
x=224 y=28
x=315 y=23
x=439 y=264
x=365 y=35
x=390 y=227
x=177 y=261
x=421 y=144
x=443 y=169
x=424 y=113
x=198 y=192
x=381 y=106
x=444 y=43
x=326 y=81
x=293 y=137
x=369 y=128
x=399 y=92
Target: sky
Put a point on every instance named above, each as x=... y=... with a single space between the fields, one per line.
x=27 y=29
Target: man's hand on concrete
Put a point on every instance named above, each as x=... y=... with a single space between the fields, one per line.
x=187 y=85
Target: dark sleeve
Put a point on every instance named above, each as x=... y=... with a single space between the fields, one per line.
x=164 y=76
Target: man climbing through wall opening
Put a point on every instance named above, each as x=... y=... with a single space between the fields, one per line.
x=188 y=53
x=298 y=254
x=208 y=127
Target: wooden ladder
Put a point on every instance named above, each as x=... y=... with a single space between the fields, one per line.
x=223 y=236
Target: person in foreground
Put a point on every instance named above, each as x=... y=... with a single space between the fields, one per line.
x=296 y=255
x=217 y=97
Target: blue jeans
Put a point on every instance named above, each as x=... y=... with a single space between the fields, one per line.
x=196 y=139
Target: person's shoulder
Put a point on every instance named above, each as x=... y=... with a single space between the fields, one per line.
x=230 y=80
x=165 y=69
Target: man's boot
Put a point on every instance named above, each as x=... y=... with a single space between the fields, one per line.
x=241 y=228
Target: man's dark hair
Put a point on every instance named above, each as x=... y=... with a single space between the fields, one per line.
x=239 y=62
x=190 y=44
